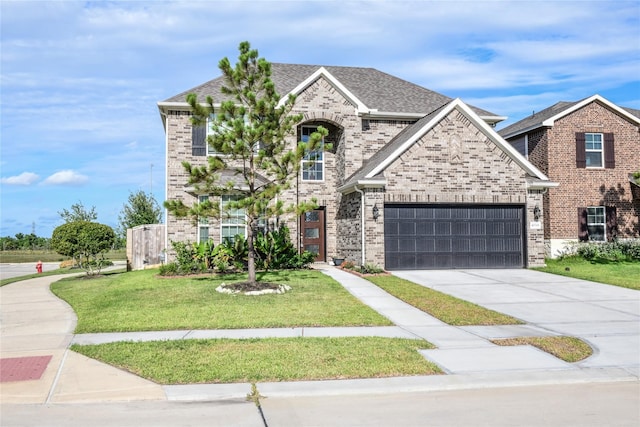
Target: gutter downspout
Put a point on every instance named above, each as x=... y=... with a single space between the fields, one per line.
x=362 y=224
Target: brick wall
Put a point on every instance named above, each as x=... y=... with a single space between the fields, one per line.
x=580 y=187
x=320 y=104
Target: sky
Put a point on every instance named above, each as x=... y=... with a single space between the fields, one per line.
x=80 y=80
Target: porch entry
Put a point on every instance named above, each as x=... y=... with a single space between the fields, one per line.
x=312 y=233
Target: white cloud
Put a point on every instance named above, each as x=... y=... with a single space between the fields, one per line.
x=25 y=178
x=66 y=177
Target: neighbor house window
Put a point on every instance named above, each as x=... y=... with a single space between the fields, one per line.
x=203 y=223
x=593 y=150
x=313 y=161
x=596 y=223
x=233 y=220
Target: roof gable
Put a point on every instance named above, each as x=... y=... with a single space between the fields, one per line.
x=548 y=116
x=371 y=171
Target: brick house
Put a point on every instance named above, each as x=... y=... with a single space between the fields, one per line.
x=590 y=147
x=414 y=179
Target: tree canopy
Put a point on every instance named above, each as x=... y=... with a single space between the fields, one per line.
x=85 y=242
x=78 y=213
x=141 y=208
x=248 y=133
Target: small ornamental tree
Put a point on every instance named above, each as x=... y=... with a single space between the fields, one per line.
x=248 y=134
x=84 y=241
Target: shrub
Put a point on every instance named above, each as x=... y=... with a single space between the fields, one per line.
x=169 y=269
x=187 y=258
x=274 y=250
x=616 y=251
x=370 y=269
x=86 y=242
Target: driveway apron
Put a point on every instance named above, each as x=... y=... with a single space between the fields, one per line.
x=607 y=317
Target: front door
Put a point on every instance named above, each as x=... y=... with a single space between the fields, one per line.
x=312 y=233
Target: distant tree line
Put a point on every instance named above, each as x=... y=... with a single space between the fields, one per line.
x=24 y=242
x=140 y=209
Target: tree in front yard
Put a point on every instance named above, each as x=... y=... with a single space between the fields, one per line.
x=84 y=241
x=141 y=209
x=253 y=163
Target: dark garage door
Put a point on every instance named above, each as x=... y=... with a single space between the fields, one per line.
x=446 y=237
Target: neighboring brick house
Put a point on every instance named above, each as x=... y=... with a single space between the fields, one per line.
x=590 y=147
x=414 y=179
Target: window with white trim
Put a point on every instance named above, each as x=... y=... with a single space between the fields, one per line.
x=313 y=161
x=233 y=220
x=596 y=223
x=203 y=223
x=593 y=145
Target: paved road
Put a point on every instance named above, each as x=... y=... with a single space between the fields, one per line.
x=584 y=405
x=9 y=270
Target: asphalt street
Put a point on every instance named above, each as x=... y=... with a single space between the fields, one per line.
x=584 y=405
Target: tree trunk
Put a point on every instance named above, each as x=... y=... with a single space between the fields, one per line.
x=251 y=257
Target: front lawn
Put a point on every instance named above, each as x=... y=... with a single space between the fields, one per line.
x=269 y=359
x=143 y=301
x=624 y=274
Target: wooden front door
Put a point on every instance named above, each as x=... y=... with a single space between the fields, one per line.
x=312 y=233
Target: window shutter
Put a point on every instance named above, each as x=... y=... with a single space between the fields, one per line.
x=612 y=223
x=581 y=155
x=198 y=140
x=609 y=154
x=583 y=232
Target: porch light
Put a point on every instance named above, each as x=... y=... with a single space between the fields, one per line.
x=536 y=213
x=376 y=212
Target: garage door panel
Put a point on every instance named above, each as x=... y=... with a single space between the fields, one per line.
x=443 y=228
x=424 y=228
x=435 y=236
x=407 y=228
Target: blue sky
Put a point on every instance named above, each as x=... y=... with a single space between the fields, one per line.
x=80 y=80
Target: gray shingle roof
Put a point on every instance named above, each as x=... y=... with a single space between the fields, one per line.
x=633 y=111
x=536 y=120
x=377 y=90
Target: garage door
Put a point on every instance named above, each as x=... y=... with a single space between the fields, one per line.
x=447 y=237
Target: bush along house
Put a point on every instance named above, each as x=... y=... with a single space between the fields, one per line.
x=592 y=149
x=412 y=179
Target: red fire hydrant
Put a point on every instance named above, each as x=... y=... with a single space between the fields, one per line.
x=39 y=267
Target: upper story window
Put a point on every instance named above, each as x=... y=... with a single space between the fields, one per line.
x=211 y=130
x=595 y=150
x=593 y=145
x=313 y=161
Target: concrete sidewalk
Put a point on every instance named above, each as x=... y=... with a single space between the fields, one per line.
x=35 y=322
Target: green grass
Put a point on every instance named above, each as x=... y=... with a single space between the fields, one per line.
x=34 y=275
x=49 y=256
x=142 y=301
x=270 y=359
x=624 y=274
x=445 y=307
x=569 y=349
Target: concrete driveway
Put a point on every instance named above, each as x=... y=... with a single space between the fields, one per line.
x=608 y=317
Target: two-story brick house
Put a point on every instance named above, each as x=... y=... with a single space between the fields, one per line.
x=590 y=147
x=414 y=179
